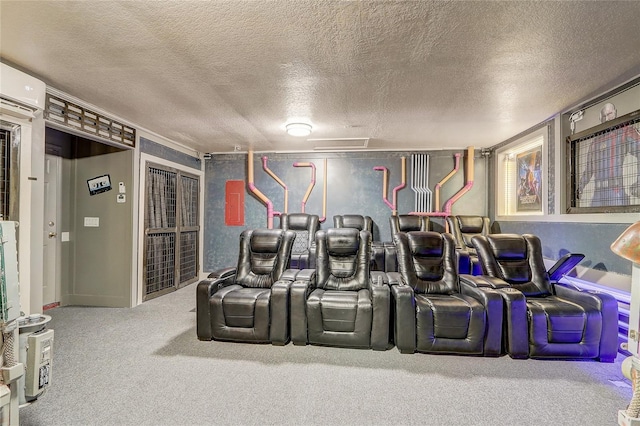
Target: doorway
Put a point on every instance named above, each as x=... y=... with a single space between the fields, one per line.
x=87 y=237
x=52 y=237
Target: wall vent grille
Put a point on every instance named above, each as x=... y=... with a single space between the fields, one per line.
x=339 y=143
x=63 y=112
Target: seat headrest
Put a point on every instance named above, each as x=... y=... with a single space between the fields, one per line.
x=508 y=246
x=266 y=240
x=343 y=241
x=425 y=244
x=470 y=224
x=299 y=221
x=353 y=221
x=409 y=223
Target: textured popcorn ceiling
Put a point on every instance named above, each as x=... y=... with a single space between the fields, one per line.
x=407 y=75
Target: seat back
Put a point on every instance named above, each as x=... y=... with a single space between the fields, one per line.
x=342 y=259
x=264 y=255
x=407 y=223
x=516 y=259
x=427 y=261
x=305 y=227
x=359 y=222
x=464 y=228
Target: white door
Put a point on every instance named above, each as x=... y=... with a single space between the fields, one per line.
x=51 y=279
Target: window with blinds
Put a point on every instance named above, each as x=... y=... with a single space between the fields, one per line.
x=171 y=230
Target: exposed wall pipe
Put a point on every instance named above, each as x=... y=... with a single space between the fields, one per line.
x=311 y=184
x=468 y=185
x=257 y=192
x=446 y=178
x=324 y=194
x=394 y=204
x=448 y=205
x=385 y=173
x=403 y=183
x=282 y=184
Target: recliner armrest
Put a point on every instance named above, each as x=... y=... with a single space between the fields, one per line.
x=381 y=300
x=299 y=293
x=517 y=330
x=607 y=305
x=289 y=275
x=464 y=261
x=378 y=277
x=483 y=281
x=279 y=332
x=204 y=290
x=394 y=278
x=492 y=301
x=307 y=275
x=581 y=297
x=404 y=321
x=223 y=273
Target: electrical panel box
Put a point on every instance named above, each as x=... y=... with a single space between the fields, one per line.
x=39 y=358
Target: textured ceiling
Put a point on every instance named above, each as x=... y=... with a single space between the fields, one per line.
x=406 y=74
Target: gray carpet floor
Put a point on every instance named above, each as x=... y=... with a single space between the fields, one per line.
x=145 y=366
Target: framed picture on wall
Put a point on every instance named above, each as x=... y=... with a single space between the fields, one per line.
x=529 y=184
x=99 y=184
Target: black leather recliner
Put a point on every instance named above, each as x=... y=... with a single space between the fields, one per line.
x=545 y=319
x=433 y=311
x=464 y=228
x=344 y=304
x=305 y=227
x=408 y=223
x=364 y=223
x=401 y=223
x=359 y=222
x=249 y=303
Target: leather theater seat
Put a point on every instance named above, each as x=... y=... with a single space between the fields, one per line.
x=305 y=227
x=464 y=228
x=402 y=223
x=433 y=313
x=363 y=223
x=249 y=303
x=545 y=319
x=344 y=304
x=356 y=221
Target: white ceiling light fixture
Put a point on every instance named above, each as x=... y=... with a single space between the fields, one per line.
x=299 y=129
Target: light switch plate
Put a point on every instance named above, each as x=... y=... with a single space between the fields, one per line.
x=92 y=222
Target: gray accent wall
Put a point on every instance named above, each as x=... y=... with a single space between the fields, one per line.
x=353 y=187
x=591 y=239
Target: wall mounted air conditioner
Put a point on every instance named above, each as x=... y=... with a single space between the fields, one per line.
x=21 y=94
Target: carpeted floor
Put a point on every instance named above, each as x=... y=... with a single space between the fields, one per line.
x=145 y=366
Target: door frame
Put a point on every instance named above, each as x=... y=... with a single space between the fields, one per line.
x=58 y=241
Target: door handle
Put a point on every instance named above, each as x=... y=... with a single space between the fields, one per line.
x=52 y=235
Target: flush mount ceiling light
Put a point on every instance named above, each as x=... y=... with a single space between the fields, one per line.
x=298 y=129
